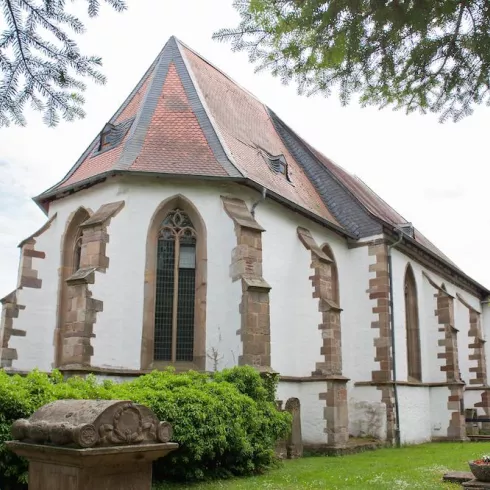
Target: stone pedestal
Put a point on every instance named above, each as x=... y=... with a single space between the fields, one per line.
x=107 y=468
x=91 y=445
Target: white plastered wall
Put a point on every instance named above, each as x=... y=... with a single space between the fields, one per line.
x=415 y=408
x=439 y=415
x=367 y=414
x=36 y=349
x=295 y=338
x=312 y=422
x=429 y=334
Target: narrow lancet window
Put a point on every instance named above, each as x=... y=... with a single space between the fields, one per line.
x=175 y=288
x=412 y=327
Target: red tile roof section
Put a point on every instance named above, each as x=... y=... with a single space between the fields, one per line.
x=175 y=142
x=95 y=165
x=135 y=103
x=246 y=127
x=103 y=162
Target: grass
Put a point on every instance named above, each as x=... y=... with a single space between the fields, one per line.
x=411 y=467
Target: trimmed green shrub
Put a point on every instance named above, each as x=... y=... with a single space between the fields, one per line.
x=226 y=423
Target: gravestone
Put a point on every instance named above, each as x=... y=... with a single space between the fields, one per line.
x=281 y=449
x=91 y=445
x=472 y=428
x=295 y=441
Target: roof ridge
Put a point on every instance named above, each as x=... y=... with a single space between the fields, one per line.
x=170 y=53
x=312 y=151
x=315 y=150
x=208 y=113
x=380 y=198
x=212 y=65
x=138 y=131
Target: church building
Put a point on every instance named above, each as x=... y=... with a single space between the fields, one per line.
x=199 y=231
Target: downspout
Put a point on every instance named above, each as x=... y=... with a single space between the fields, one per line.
x=255 y=204
x=393 y=350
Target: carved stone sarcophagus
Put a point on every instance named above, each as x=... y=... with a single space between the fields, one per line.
x=92 y=423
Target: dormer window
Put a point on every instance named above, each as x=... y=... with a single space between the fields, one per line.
x=105 y=136
x=112 y=135
x=277 y=164
x=407 y=229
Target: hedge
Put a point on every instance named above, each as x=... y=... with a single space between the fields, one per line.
x=226 y=423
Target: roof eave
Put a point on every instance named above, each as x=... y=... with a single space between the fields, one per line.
x=58 y=193
x=46 y=197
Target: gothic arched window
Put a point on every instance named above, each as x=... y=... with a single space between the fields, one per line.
x=174 y=316
x=175 y=288
x=414 y=361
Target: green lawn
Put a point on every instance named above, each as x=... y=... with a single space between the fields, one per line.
x=412 y=467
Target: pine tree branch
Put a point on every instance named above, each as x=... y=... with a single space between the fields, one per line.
x=400 y=54
x=452 y=44
x=38 y=70
x=49 y=25
x=17 y=32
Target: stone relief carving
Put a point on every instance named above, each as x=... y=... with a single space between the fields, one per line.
x=90 y=423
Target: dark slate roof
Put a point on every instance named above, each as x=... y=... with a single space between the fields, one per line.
x=347 y=210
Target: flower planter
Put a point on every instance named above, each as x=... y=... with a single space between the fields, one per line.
x=480 y=469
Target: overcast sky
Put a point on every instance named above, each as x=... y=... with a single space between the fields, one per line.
x=436 y=176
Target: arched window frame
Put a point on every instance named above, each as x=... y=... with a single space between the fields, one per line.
x=148 y=337
x=70 y=241
x=412 y=326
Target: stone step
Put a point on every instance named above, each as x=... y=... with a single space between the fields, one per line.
x=476 y=485
x=458 y=476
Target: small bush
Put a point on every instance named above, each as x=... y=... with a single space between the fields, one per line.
x=226 y=423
